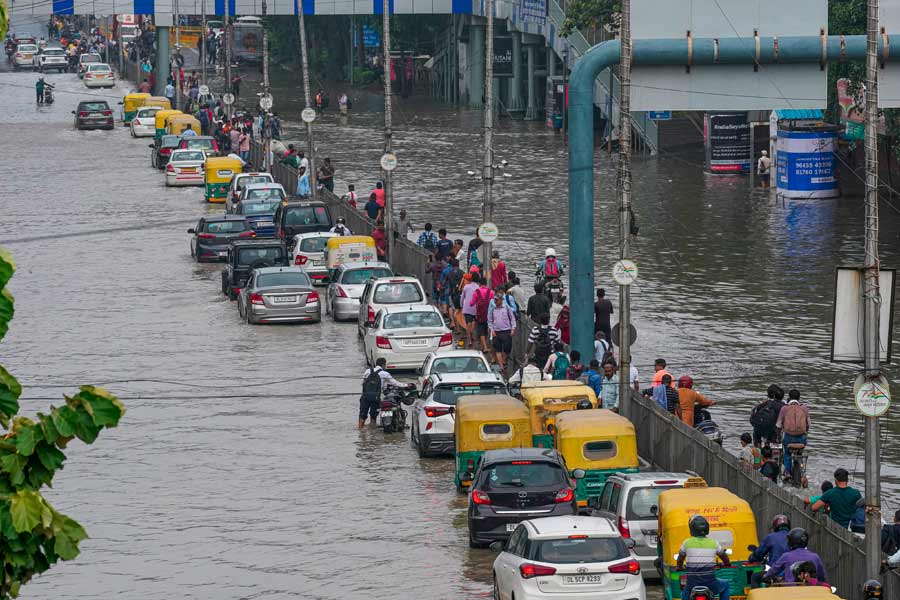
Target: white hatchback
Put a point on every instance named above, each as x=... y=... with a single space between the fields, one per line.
x=396 y=291
x=403 y=335
x=309 y=253
x=575 y=557
x=143 y=124
x=452 y=360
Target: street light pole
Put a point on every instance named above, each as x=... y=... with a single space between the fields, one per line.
x=227 y=35
x=624 y=177
x=203 y=49
x=388 y=133
x=266 y=122
x=487 y=172
x=304 y=65
x=177 y=54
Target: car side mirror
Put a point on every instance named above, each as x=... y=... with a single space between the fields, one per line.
x=498 y=546
x=728 y=551
x=578 y=473
x=675 y=556
x=629 y=543
x=192 y=230
x=468 y=476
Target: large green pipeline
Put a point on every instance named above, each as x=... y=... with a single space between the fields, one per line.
x=704 y=51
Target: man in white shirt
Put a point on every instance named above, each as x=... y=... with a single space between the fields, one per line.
x=530 y=373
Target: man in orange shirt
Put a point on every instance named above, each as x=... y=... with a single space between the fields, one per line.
x=660 y=367
x=688 y=399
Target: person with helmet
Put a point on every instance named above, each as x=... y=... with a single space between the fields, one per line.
x=797 y=540
x=805 y=574
x=697 y=556
x=583 y=404
x=340 y=227
x=773 y=546
x=872 y=590
x=550 y=267
x=689 y=399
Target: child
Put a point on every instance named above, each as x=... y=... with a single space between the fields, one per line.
x=750 y=454
x=769 y=467
x=826 y=485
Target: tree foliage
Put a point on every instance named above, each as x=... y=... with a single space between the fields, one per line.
x=33 y=535
x=592 y=14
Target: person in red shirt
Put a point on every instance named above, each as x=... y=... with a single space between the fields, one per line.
x=498 y=271
x=380 y=241
x=660 y=366
x=379 y=194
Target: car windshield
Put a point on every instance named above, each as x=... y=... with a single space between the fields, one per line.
x=305 y=215
x=54 y=52
x=99 y=68
x=402 y=292
x=419 y=318
x=313 y=244
x=27 y=48
x=90 y=58
x=522 y=473
x=449 y=393
x=245 y=181
x=266 y=194
x=458 y=364
x=144 y=113
x=257 y=208
x=222 y=227
x=248 y=256
x=93 y=106
x=641 y=500
x=579 y=550
x=199 y=144
x=283 y=278
x=170 y=141
x=194 y=155
x=359 y=276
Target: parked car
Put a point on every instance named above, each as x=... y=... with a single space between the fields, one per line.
x=213 y=234
x=567 y=557
x=259 y=216
x=243 y=257
x=279 y=295
x=451 y=360
x=630 y=501
x=292 y=218
x=161 y=150
x=516 y=484
x=23 y=58
x=51 y=59
x=93 y=114
x=263 y=191
x=347 y=284
x=87 y=59
x=403 y=335
x=433 y=420
x=239 y=181
x=185 y=167
x=207 y=144
x=384 y=292
x=309 y=253
x=99 y=75
x=143 y=123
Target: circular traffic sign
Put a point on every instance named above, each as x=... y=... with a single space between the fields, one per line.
x=615 y=334
x=625 y=272
x=388 y=162
x=873 y=398
x=308 y=115
x=488 y=232
x=266 y=101
x=228 y=98
x=203 y=90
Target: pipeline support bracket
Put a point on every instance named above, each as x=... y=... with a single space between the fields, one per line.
x=823 y=61
x=755 y=50
x=690 y=51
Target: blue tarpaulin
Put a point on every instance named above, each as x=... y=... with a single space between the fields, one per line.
x=800 y=114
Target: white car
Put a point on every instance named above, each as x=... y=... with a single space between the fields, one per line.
x=143 y=124
x=239 y=181
x=185 y=168
x=347 y=284
x=24 y=56
x=87 y=59
x=99 y=75
x=262 y=191
x=403 y=335
x=452 y=360
x=573 y=557
x=433 y=418
x=387 y=292
x=51 y=58
x=309 y=253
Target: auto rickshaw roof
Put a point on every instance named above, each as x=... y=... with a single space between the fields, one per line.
x=137 y=96
x=538 y=391
x=792 y=593
x=490 y=406
x=336 y=242
x=223 y=161
x=596 y=421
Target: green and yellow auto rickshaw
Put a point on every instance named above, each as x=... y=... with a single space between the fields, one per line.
x=218 y=173
x=547 y=399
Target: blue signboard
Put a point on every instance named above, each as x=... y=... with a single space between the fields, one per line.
x=806 y=164
x=659 y=115
x=371 y=38
x=533 y=11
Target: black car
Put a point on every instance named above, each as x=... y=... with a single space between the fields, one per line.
x=161 y=150
x=244 y=256
x=213 y=235
x=93 y=114
x=294 y=217
x=514 y=485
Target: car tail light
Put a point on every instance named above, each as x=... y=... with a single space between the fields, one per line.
x=341 y=293
x=436 y=411
x=301 y=260
x=82 y=113
x=256 y=299
x=632 y=567
x=206 y=236
x=682 y=581
x=107 y=113
x=18 y=55
x=446 y=339
x=470 y=466
x=623 y=528
x=564 y=495
x=382 y=342
x=165 y=151
x=370 y=315
x=529 y=570
x=313 y=297
x=665 y=482
x=88 y=75
x=521 y=462
x=170 y=168
x=247 y=234
x=479 y=497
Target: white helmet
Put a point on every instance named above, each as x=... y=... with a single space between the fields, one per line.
x=549 y=252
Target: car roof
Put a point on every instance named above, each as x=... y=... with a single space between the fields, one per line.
x=293 y=203
x=554 y=527
x=225 y=217
x=256 y=243
x=410 y=307
x=80 y=102
x=265 y=270
x=263 y=186
x=461 y=352
x=363 y=264
x=395 y=279
x=94 y=65
x=487 y=377
x=199 y=137
x=652 y=476
x=508 y=454
x=254 y=174
x=316 y=234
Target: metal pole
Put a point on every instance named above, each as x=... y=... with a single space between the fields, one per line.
x=487 y=171
x=624 y=203
x=304 y=63
x=872 y=296
x=266 y=126
x=388 y=133
x=107 y=36
x=177 y=53
x=227 y=35
x=119 y=45
x=752 y=154
x=350 y=55
x=609 y=112
x=203 y=49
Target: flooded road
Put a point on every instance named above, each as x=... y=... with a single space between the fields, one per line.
x=238 y=471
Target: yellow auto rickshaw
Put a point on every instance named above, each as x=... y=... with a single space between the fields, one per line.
x=161 y=117
x=218 y=173
x=599 y=442
x=178 y=124
x=348 y=248
x=731 y=523
x=488 y=422
x=131 y=103
x=160 y=101
x=546 y=399
x=792 y=592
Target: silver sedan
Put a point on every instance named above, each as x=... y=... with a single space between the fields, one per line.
x=279 y=294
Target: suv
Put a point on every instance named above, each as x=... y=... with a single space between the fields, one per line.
x=631 y=501
x=433 y=418
x=239 y=181
x=93 y=114
x=51 y=58
x=214 y=233
x=292 y=218
x=243 y=257
x=516 y=484
x=387 y=292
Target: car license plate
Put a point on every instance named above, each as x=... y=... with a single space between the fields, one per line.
x=284 y=299
x=579 y=579
x=385 y=414
x=189 y=169
x=422 y=342
x=510 y=527
x=100 y=76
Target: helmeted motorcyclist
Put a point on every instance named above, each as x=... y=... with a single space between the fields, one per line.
x=797 y=540
x=773 y=546
x=697 y=556
x=550 y=267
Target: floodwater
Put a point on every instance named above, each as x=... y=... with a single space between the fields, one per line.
x=238 y=471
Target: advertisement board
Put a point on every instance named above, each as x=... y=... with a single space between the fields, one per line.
x=503 y=57
x=806 y=164
x=727 y=137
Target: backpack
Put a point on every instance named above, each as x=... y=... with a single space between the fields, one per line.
x=561 y=365
x=543 y=346
x=551 y=268
x=890 y=539
x=794 y=422
x=764 y=415
x=428 y=243
x=371 y=387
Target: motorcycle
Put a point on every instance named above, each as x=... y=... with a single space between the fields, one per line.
x=703 y=422
x=392 y=416
x=48 y=94
x=553 y=286
x=798 y=465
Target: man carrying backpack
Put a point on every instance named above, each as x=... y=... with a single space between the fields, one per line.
x=550 y=268
x=481 y=300
x=427 y=239
x=764 y=416
x=541 y=339
x=374 y=382
x=793 y=420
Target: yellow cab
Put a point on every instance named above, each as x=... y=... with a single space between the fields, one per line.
x=546 y=399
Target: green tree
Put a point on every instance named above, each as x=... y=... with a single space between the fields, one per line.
x=33 y=535
x=592 y=14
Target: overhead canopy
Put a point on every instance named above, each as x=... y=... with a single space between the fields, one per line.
x=798 y=114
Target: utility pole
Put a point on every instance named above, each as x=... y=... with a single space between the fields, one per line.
x=487 y=172
x=177 y=54
x=119 y=47
x=227 y=35
x=203 y=49
x=304 y=64
x=872 y=296
x=350 y=57
x=388 y=133
x=266 y=132
x=624 y=185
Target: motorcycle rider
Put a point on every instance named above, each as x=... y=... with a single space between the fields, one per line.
x=797 y=540
x=773 y=546
x=375 y=381
x=793 y=420
x=697 y=556
x=340 y=227
x=550 y=267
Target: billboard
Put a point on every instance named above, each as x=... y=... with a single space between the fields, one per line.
x=806 y=163
x=853 y=110
x=848 y=320
x=727 y=137
x=503 y=57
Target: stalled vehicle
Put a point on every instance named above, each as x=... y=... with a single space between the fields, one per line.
x=160 y=120
x=243 y=179
x=219 y=171
x=346 y=285
x=204 y=143
x=143 y=123
x=85 y=60
x=178 y=124
x=309 y=253
x=185 y=167
x=93 y=114
x=244 y=256
x=403 y=335
x=160 y=101
x=23 y=58
x=263 y=191
x=99 y=75
x=162 y=149
x=292 y=218
x=349 y=248
x=387 y=292
x=51 y=59
x=259 y=215
x=546 y=400
x=279 y=295
x=212 y=235
x=452 y=360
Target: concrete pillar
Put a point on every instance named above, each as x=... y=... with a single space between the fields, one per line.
x=531 y=107
x=515 y=101
x=475 y=56
x=551 y=62
x=163 y=61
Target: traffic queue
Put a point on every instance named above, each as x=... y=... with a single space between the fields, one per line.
x=554 y=483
